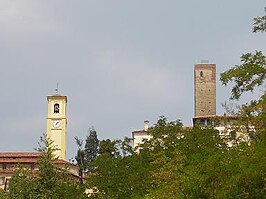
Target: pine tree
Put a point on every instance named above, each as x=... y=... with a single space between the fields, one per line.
x=48 y=182
x=92 y=145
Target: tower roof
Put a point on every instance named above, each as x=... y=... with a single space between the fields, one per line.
x=57 y=96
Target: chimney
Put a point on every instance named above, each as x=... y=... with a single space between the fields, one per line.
x=146 y=125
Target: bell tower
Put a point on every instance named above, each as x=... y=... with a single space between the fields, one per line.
x=56 y=123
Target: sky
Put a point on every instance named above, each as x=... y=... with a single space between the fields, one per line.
x=119 y=62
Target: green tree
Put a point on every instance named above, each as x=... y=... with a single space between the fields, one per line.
x=199 y=164
x=109 y=147
x=81 y=160
x=179 y=162
x=92 y=145
x=259 y=24
x=86 y=155
x=184 y=162
x=119 y=172
x=48 y=182
x=126 y=147
x=3 y=195
x=248 y=76
x=246 y=163
x=251 y=73
x=22 y=185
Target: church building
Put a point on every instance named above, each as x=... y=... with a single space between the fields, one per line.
x=56 y=124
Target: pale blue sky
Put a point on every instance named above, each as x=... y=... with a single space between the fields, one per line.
x=120 y=62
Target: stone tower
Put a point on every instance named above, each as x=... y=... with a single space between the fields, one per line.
x=57 y=123
x=204 y=89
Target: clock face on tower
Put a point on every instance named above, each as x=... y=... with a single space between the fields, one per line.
x=56 y=123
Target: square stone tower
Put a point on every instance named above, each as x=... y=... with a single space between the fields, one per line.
x=204 y=89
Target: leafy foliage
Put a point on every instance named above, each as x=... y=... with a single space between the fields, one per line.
x=85 y=156
x=109 y=148
x=118 y=175
x=248 y=75
x=181 y=163
x=3 y=195
x=252 y=71
x=48 y=182
x=184 y=161
x=260 y=23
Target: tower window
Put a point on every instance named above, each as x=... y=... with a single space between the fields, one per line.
x=56 y=108
x=201 y=73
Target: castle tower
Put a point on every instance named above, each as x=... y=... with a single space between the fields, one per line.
x=204 y=89
x=57 y=123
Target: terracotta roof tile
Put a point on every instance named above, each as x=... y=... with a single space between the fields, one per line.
x=26 y=158
x=19 y=154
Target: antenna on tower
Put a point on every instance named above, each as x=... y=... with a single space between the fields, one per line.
x=56 y=89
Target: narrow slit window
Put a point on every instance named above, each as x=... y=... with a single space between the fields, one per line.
x=56 y=108
x=201 y=73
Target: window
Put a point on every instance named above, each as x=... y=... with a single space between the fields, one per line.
x=6 y=184
x=56 y=108
x=201 y=73
x=2 y=181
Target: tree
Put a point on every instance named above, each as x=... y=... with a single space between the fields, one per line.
x=109 y=148
x=259 y=24
x=199 y=164
x=86 y=155
x=48 y=182
x=179 y=162
x=252 y=71
x=82 y=162
x=119 y=172
x=3 y=195
x=92 y=145
x=184 y=162
x=126 y=147
x=248 y=76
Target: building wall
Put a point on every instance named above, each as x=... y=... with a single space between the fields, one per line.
x=204 y=89
x=4 y=180
x=139 y=137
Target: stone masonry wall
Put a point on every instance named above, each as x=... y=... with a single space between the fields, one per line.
x=204 y=89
